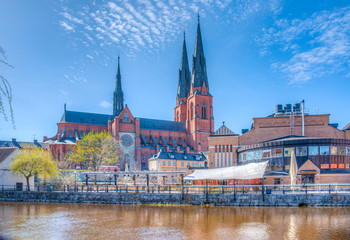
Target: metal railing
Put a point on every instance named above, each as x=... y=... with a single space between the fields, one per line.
x=188 y=189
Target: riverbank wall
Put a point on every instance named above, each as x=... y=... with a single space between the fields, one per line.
x=271 y=200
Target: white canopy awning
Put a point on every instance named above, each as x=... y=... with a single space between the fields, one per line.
x=248 y=171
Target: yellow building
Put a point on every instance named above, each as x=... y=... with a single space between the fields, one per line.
x=174 y=162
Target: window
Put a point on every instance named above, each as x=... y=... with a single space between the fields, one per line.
x=204 y=109
x=277 y=152
x=169 y=163
x=288 y=152
x=70 y=152
x=196 y=164
x=333 y=150
x=70 y=134
x=182 y=164
x=178 y=116
x=301 y=151
x=126 y=117
x=174 y=163
x=193 y=164
x=266 y=153
x=348 y=151
x=276 y=181
x=81 y=134
x=324 y=150
x=250 y=155
x=192 y=111
x=163 y=163
x=313 y=150
x=324 y=165
x=342 y=151
x=257 y=154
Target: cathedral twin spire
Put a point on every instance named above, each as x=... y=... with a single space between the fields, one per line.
x=186 y=82
x=199 y=70
x=184 y=74
x=118 y=95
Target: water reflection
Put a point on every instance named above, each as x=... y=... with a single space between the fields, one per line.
x=88 y=221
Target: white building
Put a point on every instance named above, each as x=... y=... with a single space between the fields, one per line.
x=8 y=180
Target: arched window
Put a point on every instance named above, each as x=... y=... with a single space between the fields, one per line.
x=204 y=110
x=126 y=117
x=192 y=111
x=178 y=116
x=70 y=134
x=81 y=134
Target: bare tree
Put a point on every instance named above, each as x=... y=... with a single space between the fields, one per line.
x=5 y=91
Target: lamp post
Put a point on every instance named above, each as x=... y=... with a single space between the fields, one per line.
x=75 y=181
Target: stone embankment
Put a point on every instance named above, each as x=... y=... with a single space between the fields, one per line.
x=285 y=200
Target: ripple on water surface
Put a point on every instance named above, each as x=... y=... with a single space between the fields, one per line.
x=88 y=221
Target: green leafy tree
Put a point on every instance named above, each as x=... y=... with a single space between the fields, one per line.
x=31 y=162
x=5 y=90
x=96 y=149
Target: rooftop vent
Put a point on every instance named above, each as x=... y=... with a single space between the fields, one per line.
x=279 y=109
x=297 y=107
x=287 y=107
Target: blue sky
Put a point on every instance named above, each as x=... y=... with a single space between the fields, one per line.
x=259 y=53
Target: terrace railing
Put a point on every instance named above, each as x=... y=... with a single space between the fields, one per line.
x=187 y=189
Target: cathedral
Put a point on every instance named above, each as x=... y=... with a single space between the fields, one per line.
x=142 y=138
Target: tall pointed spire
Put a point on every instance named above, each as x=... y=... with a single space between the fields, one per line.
x=199 y=69
x=118 y=95
x=184 y=73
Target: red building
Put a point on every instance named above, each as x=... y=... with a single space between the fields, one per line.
x=141 y=138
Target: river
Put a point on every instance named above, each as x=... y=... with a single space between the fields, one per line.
x=89 y=221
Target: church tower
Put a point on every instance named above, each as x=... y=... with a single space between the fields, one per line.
x=180 y=113
x=118 y=96
x=200 y=118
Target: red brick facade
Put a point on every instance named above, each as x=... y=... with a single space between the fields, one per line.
x=141 y=138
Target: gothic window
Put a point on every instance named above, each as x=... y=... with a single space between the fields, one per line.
x=204 y=110
x=126 y=117
x=178 y=116
x=192 y=111
x=70 y=134
x=81 y=134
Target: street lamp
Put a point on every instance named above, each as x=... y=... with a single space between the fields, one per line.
x=75 y=181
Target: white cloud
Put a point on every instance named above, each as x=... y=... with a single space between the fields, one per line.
x=89 y=56
x=317 y=46
x=150 y=24
x=105 y=104
x=66 y=26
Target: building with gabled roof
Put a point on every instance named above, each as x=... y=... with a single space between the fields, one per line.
x=142 y=138
x=8 y=179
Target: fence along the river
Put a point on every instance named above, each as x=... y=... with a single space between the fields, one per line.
x=186 y=189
